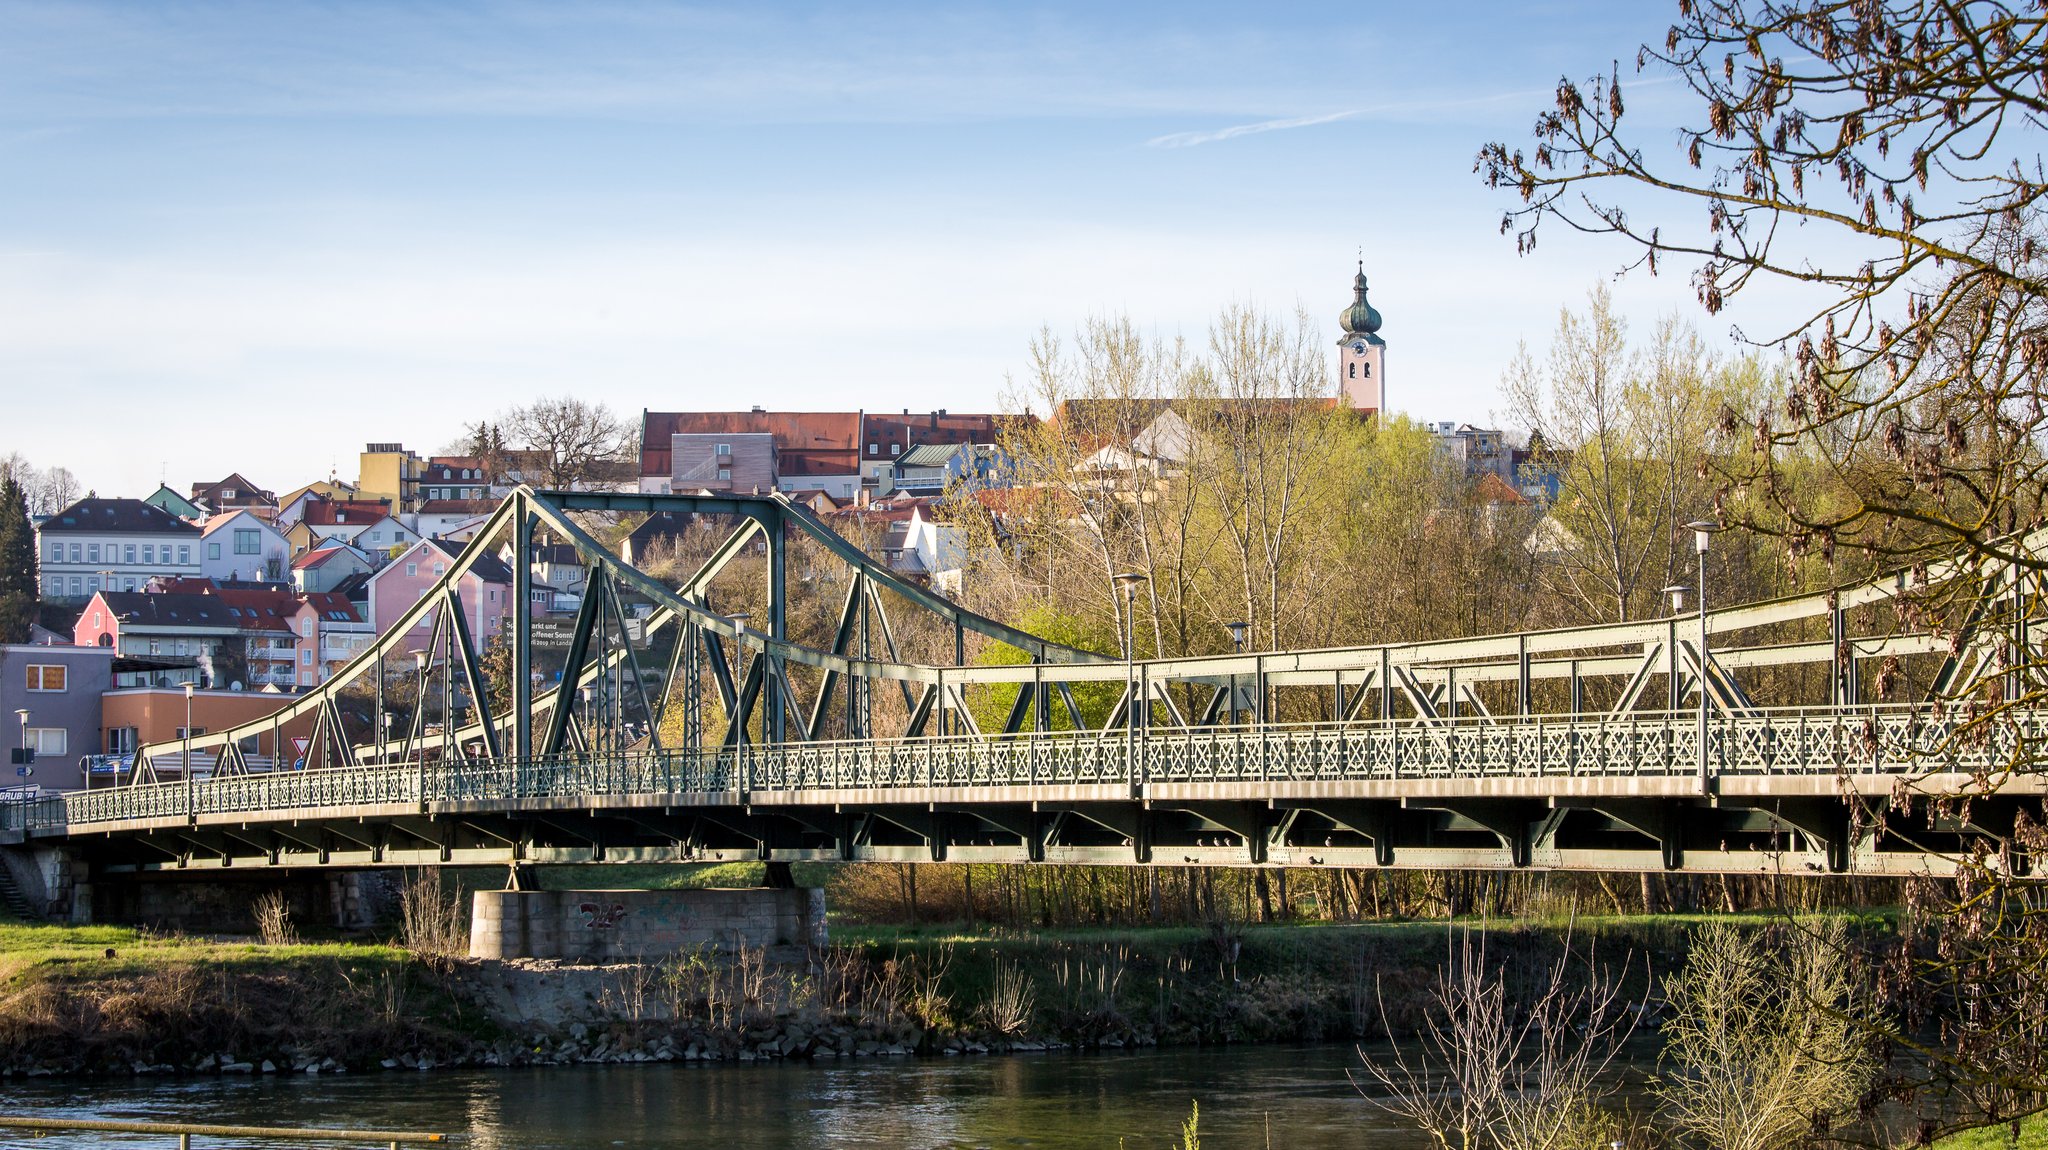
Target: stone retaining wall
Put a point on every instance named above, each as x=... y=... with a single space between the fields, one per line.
x=639 y=925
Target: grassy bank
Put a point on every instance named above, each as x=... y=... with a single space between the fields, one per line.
x=101 y=998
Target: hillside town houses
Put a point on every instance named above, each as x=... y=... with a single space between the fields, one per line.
x=235 y=591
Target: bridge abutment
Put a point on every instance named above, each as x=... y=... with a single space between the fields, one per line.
x=637 y=925
x=53 y=884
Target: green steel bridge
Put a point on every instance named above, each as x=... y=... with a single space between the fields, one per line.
x=655 y=727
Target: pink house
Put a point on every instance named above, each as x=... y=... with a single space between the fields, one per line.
x=486 y=591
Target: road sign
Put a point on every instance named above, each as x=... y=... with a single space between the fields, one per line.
x=24 y=772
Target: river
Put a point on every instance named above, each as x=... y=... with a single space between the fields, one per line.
x=1049 y=1101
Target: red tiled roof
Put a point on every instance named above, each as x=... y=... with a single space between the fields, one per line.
x=344 y=512
x=806 y=442
x=329 y=604
x=317 y=556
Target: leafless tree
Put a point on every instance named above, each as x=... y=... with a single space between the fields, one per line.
x=1881 y=162
x=1764 y=1047
x=576 y=437
x=1492 y=1070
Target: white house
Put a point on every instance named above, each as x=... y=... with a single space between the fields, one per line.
x=325 y=567
x=112 y=544
x=240 y=545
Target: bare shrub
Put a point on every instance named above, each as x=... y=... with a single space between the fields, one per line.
x=273 y=913
x=1489 y=1072
x=431 y=919
x=1764 y=1046
x=1012 y=1000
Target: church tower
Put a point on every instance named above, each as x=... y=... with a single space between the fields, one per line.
x=1361 y=353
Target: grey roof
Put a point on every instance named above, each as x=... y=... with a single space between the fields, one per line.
x=118 y=516
x=488 y=567
x=930 y=454
x=169 y=609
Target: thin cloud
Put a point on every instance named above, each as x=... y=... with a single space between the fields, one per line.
x=1191 y=139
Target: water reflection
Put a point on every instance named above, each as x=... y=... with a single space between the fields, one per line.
x=1052 y=1102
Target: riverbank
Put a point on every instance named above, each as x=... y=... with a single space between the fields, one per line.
x=114 y=1001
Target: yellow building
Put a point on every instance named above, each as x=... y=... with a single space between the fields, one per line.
x=389 y=472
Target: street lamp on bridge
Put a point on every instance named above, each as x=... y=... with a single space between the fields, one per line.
x=1702 y=531
x=185 y=758
x=1128 y=581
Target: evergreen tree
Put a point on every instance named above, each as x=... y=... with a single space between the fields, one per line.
x=17 y=564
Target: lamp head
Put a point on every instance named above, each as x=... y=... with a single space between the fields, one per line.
x=1238 y=629
x=22 y=714
x=1701 y=529
x=1129 y=580
x=189 y=688
x=1678 y=592
x=419 y=660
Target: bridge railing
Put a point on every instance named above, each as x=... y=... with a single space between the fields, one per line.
x=1806 y=741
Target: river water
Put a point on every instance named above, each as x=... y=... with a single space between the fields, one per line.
x=1049 y=1102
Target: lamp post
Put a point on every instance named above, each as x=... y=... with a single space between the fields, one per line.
x=185 y=760
x=420 y=659
x=1128 y=581
x=1239 y=632
x=1702 y=530
x=22 y=714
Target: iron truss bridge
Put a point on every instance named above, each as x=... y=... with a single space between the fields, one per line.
x=734 y=714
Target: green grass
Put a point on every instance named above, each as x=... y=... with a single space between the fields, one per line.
x=2033 y=1135
x=28 y=950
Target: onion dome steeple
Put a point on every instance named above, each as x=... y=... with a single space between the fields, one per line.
x=1359 y=318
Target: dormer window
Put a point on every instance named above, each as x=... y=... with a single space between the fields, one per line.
x=227 y=493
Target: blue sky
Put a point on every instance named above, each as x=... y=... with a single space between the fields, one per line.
x=255 y=236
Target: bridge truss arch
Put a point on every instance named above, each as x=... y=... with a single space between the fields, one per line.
x=652 y=724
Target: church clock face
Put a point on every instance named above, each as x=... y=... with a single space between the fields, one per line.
x=1358 y=348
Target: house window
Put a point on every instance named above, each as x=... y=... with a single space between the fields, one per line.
x=725 y=473
x=306 y=656
x=895 y=449
x=248 y=541
x=411 y=569
x=47 y=677
x=77 y=585
x=56 y=552
x=77 y=553
x=92 y=552
x=227 y=493
x=92 y=584
x=148 y=553
x=129 y=551
x=440 y=569
x=213 y=549
x=305 y=628
x=48 y=740
x=725 y=449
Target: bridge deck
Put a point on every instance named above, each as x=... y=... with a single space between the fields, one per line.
x=1624 y=791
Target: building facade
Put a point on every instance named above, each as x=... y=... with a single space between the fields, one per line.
x=60 y=688
x=242 y=545
x=486 y=592
x=98 y=544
